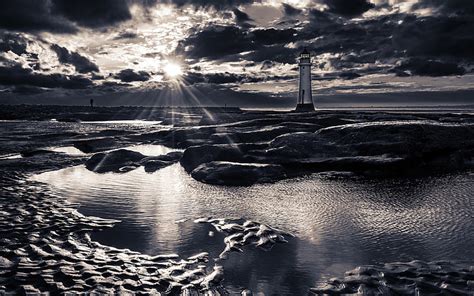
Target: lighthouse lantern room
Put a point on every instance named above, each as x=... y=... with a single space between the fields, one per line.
x=305 y=98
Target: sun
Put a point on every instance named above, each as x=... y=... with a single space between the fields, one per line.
x=173 y=70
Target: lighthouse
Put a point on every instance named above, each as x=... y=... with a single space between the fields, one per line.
x=305 y=98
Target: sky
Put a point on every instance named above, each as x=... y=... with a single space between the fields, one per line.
x=236 y=52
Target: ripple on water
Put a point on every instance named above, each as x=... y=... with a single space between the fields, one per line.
x=339 y=223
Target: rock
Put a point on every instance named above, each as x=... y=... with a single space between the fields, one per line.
x=237 y=174
x=95 y=145
x=30 y=153
x=196 y=155
x=154 y=163
x=114 y=161
x=174 y=156
x=260 y=135
x=399 y=145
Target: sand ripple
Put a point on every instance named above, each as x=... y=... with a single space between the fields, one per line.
x=45 y=247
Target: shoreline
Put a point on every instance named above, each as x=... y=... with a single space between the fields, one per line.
x=65 y=232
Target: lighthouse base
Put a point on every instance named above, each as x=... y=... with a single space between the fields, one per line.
x=304 y=108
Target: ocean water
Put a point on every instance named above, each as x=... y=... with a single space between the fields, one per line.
x=338 y=223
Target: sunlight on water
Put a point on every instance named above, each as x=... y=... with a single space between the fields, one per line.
x=339 y=224
x=150 y=149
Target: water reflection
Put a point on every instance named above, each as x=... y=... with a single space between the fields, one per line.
x=339 y=224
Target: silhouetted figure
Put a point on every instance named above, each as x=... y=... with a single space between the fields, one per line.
x=92 y=103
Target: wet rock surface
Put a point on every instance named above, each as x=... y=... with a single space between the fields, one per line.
x=114 y=161
x=237 y=174
x=382 y=148
x=242 y=233
x=400 y=278
x=123 y=160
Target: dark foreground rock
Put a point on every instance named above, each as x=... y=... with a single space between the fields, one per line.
x=30 y=153
x=122 y=160
x=95 y=145
x=380 y=146
x=154 y=163
x=237 y=174
x=115 y=161
x=411 y=278
x=372 y=148
x=196 y=155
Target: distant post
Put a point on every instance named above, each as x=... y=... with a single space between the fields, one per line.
x=92 y=103
x=305 y=98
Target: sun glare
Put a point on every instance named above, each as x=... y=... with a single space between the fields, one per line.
x=173 y=70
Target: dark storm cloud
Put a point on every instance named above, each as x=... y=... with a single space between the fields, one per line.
x=224 y=78
x=290 y=10
x=241 y=17
x=219 y=4
x=32 y=15
x=16 y=75
x=13 y=42
x=276 y=53
x=129 y=75
x=274 y=36
x=348 y=8
x=224 y=42
x=93 y=13
x=362 y=44
x=81 y=63
x=217 y=42
x=423 y=67
x=62 y=15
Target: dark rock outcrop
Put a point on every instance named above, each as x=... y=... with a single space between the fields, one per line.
x=30 y=153
x=114 y=161
x=401 y=145
x=196 y=155
x=237 y=174
x=95 y=145
x=122 y=161
x=154 y=163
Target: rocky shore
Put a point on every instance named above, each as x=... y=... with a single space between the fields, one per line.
x=45 y=244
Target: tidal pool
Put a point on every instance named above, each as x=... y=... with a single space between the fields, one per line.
x=338 y=223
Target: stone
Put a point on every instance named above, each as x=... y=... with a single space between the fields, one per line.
x=196 y=155
x=390 y=146
x=154 y=163
x=95 y=145
x=237 y=174
x=114 y=161
x=30 y=153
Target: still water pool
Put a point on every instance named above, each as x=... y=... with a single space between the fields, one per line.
x=338 y=223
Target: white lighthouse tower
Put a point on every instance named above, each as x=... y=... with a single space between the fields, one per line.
x=305 y=98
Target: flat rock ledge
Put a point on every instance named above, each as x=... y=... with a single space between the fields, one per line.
x=237 y=174
x=383 y=148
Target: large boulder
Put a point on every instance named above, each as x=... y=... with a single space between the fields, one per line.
x=154 y=163
x=409 y=144
x=237 y=174
x=196 y=155
x=96 y=144
x=117 y=161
